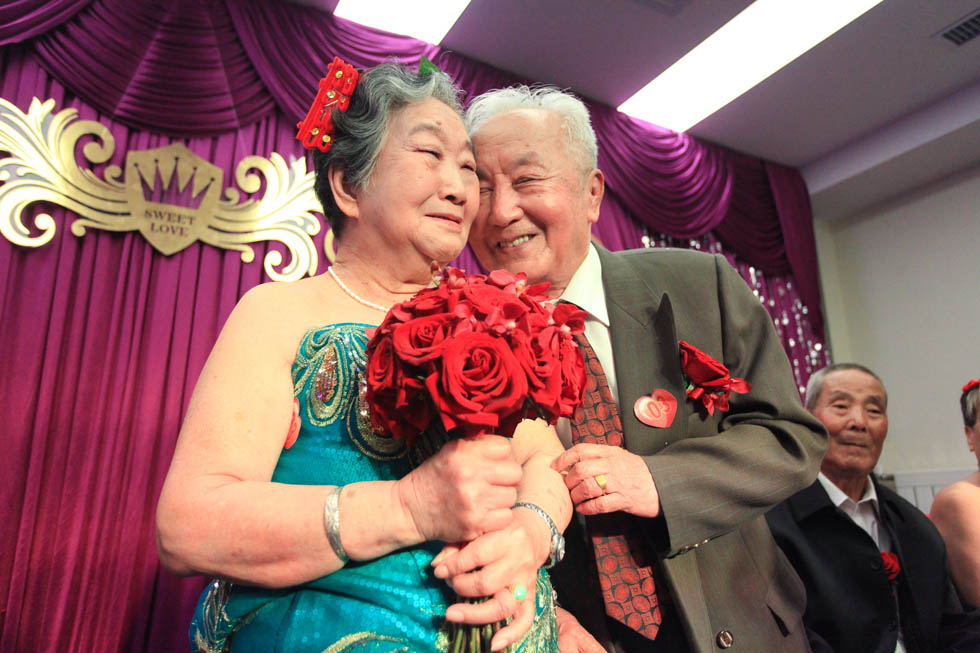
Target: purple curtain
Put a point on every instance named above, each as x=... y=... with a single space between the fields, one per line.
x=21 y=20
x=171 y=67
x=104 y=338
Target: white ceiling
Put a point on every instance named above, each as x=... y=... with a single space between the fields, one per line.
x=880 y=108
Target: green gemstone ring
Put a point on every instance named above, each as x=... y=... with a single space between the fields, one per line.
x=520 y=592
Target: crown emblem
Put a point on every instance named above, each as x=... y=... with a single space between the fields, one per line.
x=172 y=193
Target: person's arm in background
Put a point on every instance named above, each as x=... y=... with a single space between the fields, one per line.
x=956 y=513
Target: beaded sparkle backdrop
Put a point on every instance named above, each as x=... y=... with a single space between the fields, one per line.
x=807 y=352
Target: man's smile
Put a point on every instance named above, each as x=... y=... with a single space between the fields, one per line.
x=520 y=240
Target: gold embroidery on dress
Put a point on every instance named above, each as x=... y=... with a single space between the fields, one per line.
x=214 y=619
x=333 y=360
x=355 y=641
x=543 y=635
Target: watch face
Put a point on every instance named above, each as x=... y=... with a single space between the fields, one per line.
x=559 y=548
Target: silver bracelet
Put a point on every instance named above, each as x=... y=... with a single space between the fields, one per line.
x=557 y=550
x=331 y=520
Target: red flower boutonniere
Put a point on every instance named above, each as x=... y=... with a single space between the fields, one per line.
x=708 y=380
x=892 y=567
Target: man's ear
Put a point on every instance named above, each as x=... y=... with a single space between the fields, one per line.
x=595 y=187
x=343 y=195
x=969 y=436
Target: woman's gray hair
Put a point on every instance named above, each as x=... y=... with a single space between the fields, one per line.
x=968 y=405
x=360 y=132
x=575 y=115
x=814 y=386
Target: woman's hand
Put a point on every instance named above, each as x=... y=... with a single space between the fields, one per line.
x=492 y=566
x=463 y=491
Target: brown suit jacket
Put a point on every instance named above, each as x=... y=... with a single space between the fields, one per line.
x=716 y=475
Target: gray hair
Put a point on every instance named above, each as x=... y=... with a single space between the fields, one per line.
x=968 y=405
x=575 y=115
x=815 y=385
x=360 y=132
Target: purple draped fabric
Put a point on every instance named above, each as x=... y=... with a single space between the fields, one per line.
x=104 y=338
x=791 y=199
x=200 y=67
x=21 y=20
x=173 y=67
x=103 y=341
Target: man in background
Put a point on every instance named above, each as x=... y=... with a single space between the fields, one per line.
x=874 y=567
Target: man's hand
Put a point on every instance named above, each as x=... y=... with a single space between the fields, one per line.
x=628 y=485
x=572 y=638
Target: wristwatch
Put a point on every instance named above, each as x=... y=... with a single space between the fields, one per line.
x=557 y=539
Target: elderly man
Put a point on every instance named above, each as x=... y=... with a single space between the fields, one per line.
x=873 y=565
x=672 y=552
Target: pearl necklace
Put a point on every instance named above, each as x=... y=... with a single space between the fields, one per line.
x=353 y=295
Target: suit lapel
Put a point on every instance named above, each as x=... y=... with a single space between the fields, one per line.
x=645 y=352
x=892 y=521
x=809 y=501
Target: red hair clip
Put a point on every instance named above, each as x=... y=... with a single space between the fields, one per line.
x=972 y=384
x=316 y=129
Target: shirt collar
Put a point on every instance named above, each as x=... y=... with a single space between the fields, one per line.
x=838 y=498
x=583 y=291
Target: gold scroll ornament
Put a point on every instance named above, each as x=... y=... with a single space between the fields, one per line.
x=169 y=194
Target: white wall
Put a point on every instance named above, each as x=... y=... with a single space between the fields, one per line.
x=901 y=288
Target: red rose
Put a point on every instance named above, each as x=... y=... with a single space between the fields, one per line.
x=392 y=394
x=422 y=339
x=708 y=379
x=892 y=566
x=481 y=387
x=410 y=405
x=381 y=373
x=539 y=356
x=428 y=301
x=571 y=316
x=493 y=303
x=700 y=368
x=510 y=281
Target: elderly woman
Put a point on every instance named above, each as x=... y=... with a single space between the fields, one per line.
x=325 y=541
x=956 y=509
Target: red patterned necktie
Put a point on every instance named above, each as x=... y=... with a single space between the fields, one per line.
x=624 y=576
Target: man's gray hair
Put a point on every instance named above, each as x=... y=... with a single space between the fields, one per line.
x=815 y=385
x=575 y=115
x=360 y=132
x=968 y=405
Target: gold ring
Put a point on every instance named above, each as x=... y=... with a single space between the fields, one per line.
x=600 y=480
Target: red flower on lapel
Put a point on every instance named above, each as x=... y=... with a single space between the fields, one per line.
x=892 y=567
x=708 y=380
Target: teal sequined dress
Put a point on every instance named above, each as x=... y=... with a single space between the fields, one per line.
x=393 y=603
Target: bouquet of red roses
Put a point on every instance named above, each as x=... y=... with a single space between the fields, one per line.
x=474 y=355
x=478 y=353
